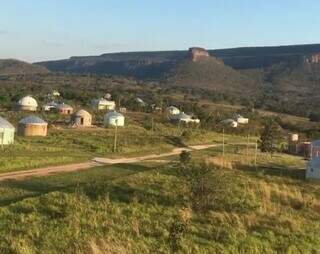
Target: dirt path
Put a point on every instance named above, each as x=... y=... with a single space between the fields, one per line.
x=96 y=162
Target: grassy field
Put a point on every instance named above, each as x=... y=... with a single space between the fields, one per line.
x=131 y=208
x=65 y=145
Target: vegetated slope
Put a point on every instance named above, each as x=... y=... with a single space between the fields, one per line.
x=142 y=208
x=211 y=74
x=290 y=86
x=12 y=67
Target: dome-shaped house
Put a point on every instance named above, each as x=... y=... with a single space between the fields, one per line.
x=113 y=119
x=64 y=109
x=32 y=126
x=82 y=118
x=27 y=103
x=6 y=132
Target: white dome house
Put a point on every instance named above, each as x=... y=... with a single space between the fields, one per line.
x=27 y=103
x=113 y=119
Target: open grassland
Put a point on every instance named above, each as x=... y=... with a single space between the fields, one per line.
x=262 y=208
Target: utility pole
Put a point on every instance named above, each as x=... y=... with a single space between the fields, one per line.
x=119 y=102
x=255 y=154
x=223 y=142
x=247 y=148
x=152 y=125
x=115 y=137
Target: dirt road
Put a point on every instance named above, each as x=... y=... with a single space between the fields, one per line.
x=96 y=162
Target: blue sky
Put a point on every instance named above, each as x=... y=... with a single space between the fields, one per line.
x=35 y=30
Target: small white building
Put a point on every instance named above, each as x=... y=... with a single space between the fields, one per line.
x=123 y=110
x=172 y=110
x=50 y=106
x=140 y=102
x=27 y=103
x=103 y=104
x=55 y=93
x=230 y=123
x=241 y=120
x=6 y=132
x=184 y=118
x=113 y=119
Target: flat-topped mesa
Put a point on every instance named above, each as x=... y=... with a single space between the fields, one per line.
x=198 y=54
x=313 y=59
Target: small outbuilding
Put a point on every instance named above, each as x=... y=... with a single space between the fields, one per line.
x=103 y=104
x=113 y=119
x=27 y=103
x=172 y=110
x=184 y=118
x=50 y=106
x=32 y=126
x=229 y=123
x=6 y=132
x=140 y=102
x=64 y=109
x=241 y=120
x=82 y=118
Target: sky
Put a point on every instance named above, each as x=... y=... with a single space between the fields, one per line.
x=38 y=30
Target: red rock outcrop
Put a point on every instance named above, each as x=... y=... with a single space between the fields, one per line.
x=315 y=58
x=198 y=54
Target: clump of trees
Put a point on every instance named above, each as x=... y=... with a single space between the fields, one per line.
x=270 y=136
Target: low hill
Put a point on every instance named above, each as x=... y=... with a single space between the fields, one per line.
x=13 y=67
x=211 y=74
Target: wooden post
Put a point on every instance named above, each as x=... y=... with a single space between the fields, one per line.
x=152 y=125
x=255 y=153
x=119 y=102
x=223 y=142
x=247 y=148
x=115 y=137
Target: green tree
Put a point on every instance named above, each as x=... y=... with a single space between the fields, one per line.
x=270 y=136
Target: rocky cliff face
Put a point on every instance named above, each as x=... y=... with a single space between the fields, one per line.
x=198 y=54
x=313 y=59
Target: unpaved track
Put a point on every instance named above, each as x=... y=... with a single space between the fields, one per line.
x=96 y=162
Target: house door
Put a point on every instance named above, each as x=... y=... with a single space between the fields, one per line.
x=82 y=121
